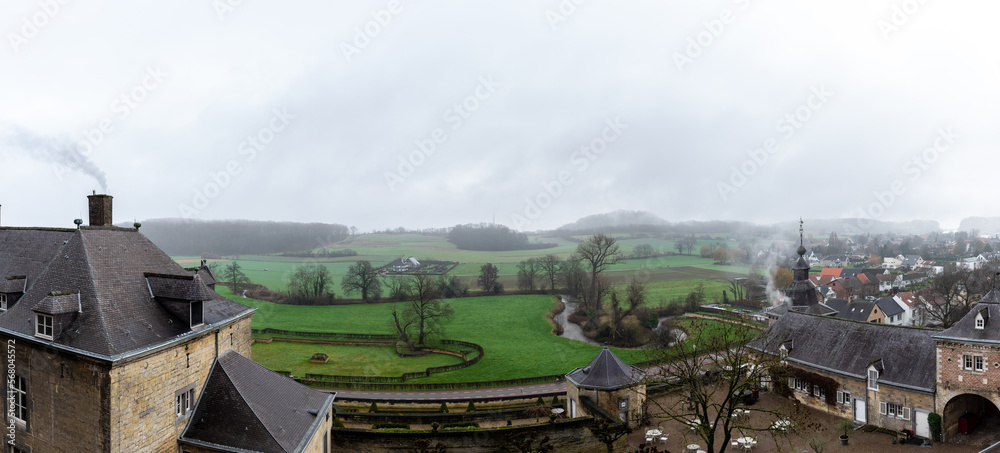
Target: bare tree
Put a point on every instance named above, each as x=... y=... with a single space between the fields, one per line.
x=426 y=310
x=714 y=378
x=399 y=288
x=549 y=266
x=233 y=274
x=527 y=273
x=361 y=276
x=609 y=431
x=402 y=324
x=573 y=276
x=598 y=251
x=309 y=282
x=489 y=279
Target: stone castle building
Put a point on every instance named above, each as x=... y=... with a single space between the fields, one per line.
x=114 y=347
x=609 y=384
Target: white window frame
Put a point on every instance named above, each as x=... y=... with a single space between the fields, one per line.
x=184 y=402
x=43 y=326
x=894 y=410
x=17 y=402
x=3 y=303
x=980 y=322
x=977 y=363
x=973 y=362
x=845 y=397
x=872 y=379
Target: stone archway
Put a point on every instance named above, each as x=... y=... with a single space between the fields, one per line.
x=966 y=412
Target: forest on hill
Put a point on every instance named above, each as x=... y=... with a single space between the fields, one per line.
x=186 y=237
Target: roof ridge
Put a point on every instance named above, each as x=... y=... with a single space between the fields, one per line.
x=92 y=281
x=239 y=389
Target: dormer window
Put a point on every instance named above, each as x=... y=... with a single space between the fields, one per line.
x=43 y=326
x=980 y=322
x=197 y=313
x=3 y=303
x=872 y=379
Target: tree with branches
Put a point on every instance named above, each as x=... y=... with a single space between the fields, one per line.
x=362 y=277
x=489 y=279
x=548 y=265
x=425 y=310
x=309 y=282
x=527 y=274
x=233 y=274
x=599 y=252
x=714 y=377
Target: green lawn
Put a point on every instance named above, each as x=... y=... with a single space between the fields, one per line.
x=344 y=360
x=513 y=331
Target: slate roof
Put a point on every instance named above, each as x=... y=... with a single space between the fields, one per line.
x=182 y=287
x=606 y=372
x=965 y=328
x=857 y=311
x=847 y=347
x=24 y=252
x=107 y=266
x=889 y=306
x=836 y=304
x=247 y=406
x=58 y=303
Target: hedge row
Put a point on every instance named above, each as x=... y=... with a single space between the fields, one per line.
x=341 y=385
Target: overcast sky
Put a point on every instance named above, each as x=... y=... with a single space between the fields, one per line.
x=535 y=113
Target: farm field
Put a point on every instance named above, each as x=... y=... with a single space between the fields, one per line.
x=273 y=271
x=513 y=331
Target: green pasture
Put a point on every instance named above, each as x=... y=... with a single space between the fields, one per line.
x=513 y=330
x=344 y=360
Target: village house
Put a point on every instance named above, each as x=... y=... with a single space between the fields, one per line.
x=891 y=262
x=114 y=347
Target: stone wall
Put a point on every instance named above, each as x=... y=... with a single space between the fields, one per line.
x=567 y=436
x=67 y=385
x=859 y=390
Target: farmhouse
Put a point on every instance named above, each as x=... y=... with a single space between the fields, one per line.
x=113 y=347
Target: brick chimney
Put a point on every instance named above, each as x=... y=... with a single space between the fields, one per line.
x=100 y=209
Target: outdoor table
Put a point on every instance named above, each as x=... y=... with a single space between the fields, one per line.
x=558 y=410
x=654 y=433
x=782 y=424
x=694 y=447
x=746 y=442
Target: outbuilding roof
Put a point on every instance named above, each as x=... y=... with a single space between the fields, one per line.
x=606 y=372
x=247 y=406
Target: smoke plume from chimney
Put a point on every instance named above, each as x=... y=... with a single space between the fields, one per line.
x=58 y=150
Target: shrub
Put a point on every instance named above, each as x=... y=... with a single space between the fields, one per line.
x=471 y=407
x=540 y=401
x=373 y=408
x=337 y=423
x=647 y=317
x=456 y=425
x=555 y=400
x=435 y=426
x=390 y=426
x=934 y=423
x=443 y=409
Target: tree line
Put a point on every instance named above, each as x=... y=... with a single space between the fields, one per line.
x=491 y=237
x=239 y=237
